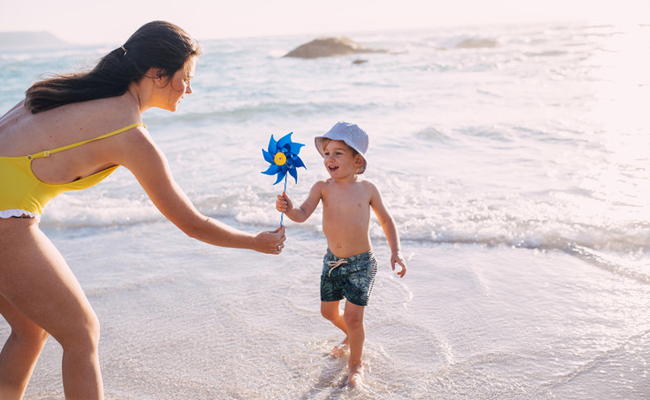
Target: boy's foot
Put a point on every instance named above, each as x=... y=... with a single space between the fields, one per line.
x=355 y=376
x=341 y=349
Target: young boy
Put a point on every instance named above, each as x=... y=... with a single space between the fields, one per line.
x=349 y=267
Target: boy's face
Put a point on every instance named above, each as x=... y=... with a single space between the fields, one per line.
x=340 y=160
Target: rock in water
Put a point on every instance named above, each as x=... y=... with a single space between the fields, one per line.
x=329 y=47
x=477 y=44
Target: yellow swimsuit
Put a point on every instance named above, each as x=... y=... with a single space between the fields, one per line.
x=23 y=194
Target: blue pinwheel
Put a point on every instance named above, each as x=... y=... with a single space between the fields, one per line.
x=283 y=157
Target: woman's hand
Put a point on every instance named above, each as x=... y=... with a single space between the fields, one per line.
x=270 y=242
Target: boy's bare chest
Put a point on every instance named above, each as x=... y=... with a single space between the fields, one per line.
x=352 y=202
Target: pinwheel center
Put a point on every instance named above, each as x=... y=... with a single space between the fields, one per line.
x=280 y=159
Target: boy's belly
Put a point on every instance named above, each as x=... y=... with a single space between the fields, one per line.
x=347 y=242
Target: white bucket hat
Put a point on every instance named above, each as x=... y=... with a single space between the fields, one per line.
x=352 y=135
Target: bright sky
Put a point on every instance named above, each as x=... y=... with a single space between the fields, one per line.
x=113 y=21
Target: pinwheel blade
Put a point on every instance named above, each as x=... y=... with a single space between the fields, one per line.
x=294 y=147
x=281 y=175
x=294 y=173
x=284 y=141
x=273 y=145
x=296 y=162
x=273 y=169
x=268 y=156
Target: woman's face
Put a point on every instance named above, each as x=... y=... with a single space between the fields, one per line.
x=174 y=88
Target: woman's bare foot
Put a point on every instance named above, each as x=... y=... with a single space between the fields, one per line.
x=341 y=349
x=355 y=375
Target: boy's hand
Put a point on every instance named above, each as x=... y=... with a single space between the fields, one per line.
x=396 y=258
x=283 y=204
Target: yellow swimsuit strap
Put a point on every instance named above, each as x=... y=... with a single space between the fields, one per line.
x=47 y=153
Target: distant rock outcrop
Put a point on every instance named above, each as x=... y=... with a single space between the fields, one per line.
x=329 y=47
x=29 y=40
x=477 y=44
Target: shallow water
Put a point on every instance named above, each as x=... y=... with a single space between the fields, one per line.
x=468 y=321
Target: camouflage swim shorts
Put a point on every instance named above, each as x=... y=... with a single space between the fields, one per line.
x=351 y=278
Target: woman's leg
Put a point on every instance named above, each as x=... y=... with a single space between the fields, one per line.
x=20 y=352
x=37 y=282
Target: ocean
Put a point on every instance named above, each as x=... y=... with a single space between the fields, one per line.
x=517 y=170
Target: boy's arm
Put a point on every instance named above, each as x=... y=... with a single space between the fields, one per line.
x=390 y=230
x=300 y=214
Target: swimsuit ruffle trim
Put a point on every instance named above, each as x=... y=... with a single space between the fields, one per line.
x=17 y=213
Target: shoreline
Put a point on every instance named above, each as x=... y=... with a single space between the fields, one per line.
x=204 y=323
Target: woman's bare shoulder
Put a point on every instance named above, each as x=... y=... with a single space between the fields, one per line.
x=105 y=113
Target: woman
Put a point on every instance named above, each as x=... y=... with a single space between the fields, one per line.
x=70 y=133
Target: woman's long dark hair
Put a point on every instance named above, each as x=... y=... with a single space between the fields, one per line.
x=157 y=44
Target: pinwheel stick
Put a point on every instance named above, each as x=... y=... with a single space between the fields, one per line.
x=284 y=191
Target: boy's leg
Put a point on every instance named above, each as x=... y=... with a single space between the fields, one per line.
x=331 y=311
x=353 y=316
